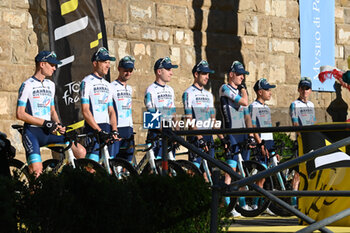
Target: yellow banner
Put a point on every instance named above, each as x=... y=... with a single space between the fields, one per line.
x=319 y=208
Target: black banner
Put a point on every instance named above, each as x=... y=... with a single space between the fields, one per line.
x=76 y=30
x=314 y=140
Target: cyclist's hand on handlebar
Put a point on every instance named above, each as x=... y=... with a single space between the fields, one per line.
x=103 y=136
x=49 y=126
x=251 y=142
x=115 y=135
x=226 y=143
x=60 y=128
x=203 y=144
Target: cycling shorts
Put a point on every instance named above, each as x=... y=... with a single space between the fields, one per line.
x=269 y=145
x=33 y=138
x=235 y=140
x=194 y=157
x=124 y=147
x=92 y=151
x=157 y=148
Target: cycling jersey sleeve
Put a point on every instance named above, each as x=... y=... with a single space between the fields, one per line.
x=149 y=103
x=84 y=92
x=211 y=106
x=227 y=92
x=253 y=114
x=293 y=113
x=23 y=95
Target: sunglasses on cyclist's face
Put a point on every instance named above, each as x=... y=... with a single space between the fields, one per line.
x=305 y=88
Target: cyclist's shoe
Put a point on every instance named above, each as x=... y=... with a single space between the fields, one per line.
x=269 y=212
x=254 y=207
x=247 y=207
x=235 y=214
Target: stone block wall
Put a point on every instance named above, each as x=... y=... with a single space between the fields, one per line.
x=263 y=34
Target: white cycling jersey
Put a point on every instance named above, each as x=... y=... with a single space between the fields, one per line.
x=261 y=117
x=37 y=97
x=199 y=104
x=161 y=98
x=232 y=112
x=302 y=113
x=95 y=91
x=122 y=100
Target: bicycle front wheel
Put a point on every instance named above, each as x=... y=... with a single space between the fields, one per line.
x=174 y=169
x=255 y=205
x=89 y=166
x=19 y=169
x=275 y=208
x=122 y=169
x=189 y=168
x=50 y=165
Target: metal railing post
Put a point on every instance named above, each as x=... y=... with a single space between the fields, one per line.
x=215 y=201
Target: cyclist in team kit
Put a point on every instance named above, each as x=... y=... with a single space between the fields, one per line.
x=122 y=100
x=199 y=105
x=302 y=112
x=36 y=107
x=261 y=117
x=234 y=102
x=160 y=98
x=97 y=103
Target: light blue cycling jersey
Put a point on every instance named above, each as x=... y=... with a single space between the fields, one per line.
x=232 y=112
x=261 y=117
x=37 y=97
x=199 y=104
x=302 y=113
x=161 y=98
x=96 y=92
x=122 y=100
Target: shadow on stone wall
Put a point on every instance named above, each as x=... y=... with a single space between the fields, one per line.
x=38 y=14
x=223 y=45
x=338 y=108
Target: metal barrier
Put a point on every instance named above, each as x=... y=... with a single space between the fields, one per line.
x=232 y=190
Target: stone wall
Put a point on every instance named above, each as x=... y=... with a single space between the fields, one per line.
x=263 y=34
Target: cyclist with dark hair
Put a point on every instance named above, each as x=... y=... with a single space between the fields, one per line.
x=122 y=102
x=261 y=117
x=199 y=106
x=36 y=107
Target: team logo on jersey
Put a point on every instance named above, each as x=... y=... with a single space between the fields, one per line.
x=152 y=120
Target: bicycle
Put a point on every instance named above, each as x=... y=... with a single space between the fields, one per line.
x=149 y=164
x=53 y=165
x=282 y=180
x=118 y=167
x=246 y=169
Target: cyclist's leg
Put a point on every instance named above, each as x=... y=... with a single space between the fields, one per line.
x=33 y=138
x=231 y=160
x=127 y=133
x=263 y=161
x=235 y=140
x=192 y=157
x=157 y=148
x=92 y=144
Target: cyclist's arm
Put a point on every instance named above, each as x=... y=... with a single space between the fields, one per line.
x=244 y=100
x=241 y=99
x=248 y=121
x=112 y=117
x=55 y=118
x=27 y=118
